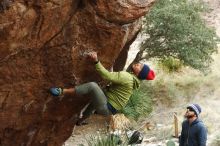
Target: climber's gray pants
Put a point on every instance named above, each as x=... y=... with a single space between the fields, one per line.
x=98 y=102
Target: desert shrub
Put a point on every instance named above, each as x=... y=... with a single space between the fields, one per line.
x=216 y=141
x=106 y=139
x=170 y=64
x=175 y=28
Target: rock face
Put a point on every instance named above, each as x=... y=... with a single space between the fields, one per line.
x=42 y=44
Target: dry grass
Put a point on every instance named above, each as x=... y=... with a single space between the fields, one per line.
x=119 y=122
x=185 y=87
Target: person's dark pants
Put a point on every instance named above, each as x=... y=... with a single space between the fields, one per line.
x=98 y=102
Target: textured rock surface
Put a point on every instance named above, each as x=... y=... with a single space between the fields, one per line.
x=42 y=45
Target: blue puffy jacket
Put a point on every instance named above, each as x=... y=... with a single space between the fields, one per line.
x=194 y=134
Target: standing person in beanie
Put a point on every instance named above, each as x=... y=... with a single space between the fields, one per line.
x=118 y=93
x=194 y=132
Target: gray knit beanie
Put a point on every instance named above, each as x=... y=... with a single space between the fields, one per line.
x=196 y=108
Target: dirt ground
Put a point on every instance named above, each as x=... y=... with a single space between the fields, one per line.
x=209 y=102
x=97 y=124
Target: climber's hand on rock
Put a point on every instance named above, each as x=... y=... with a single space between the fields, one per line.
x=93 y=56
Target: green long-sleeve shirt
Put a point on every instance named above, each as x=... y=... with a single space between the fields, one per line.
x=121 y=88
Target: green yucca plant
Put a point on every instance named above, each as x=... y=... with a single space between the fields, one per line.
x=139 y=105
x=170 y=143
x=105 y=140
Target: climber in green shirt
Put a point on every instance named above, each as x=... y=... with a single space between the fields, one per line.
x=116 y=96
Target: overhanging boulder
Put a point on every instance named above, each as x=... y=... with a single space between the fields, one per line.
x=42 y=44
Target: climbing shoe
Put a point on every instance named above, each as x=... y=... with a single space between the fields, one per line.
x=56 y=91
